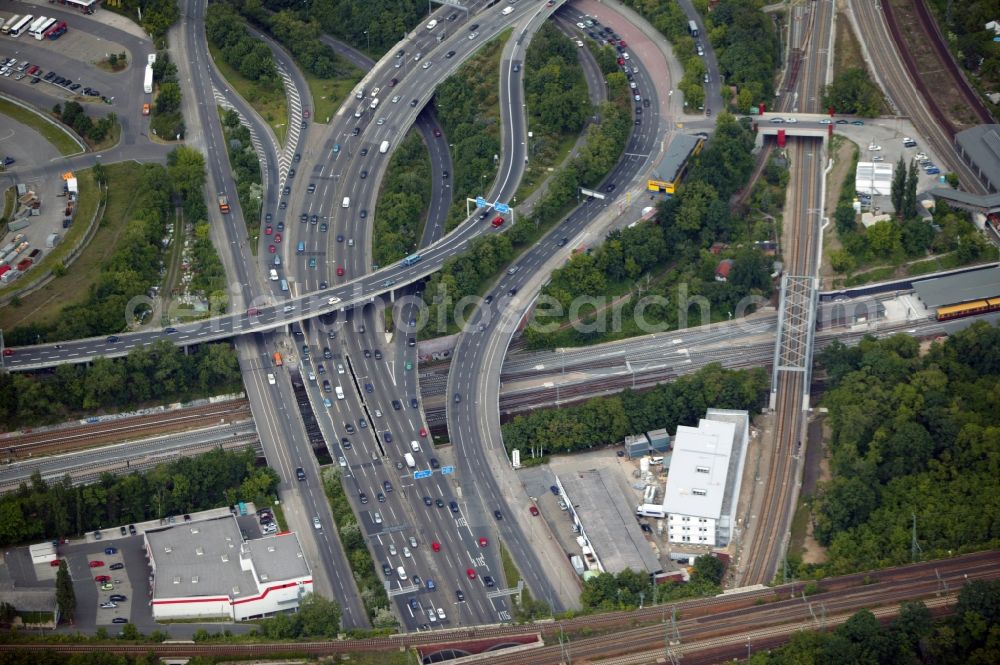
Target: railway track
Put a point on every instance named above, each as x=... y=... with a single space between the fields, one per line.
x=89 y=435
x=700 y=619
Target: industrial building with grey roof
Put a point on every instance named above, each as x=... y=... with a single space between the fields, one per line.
x=979 y=147
x=960 y=288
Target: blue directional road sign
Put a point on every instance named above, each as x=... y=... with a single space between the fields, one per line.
x=422 y=474
x=447 y=469
x=501 y=208
x=481 y=202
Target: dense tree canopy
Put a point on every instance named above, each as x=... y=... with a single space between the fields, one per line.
x=42 y=511
x=226 y=30
x=853 y=92
x=913 y=436
x=607 y=420
x=403 y=201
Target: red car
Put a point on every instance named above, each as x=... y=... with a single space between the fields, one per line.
x=483 y=542
x=272 y=249
x=534 y=511
x=8 y=352
x=621 y=61
x=436 y=546
x=54 y=563
x=102 y=578
x=340 y=271
x=277 y=237
x=423 y=432
x=621 y=42
x=471 y=573
x=96 y=564
x=306 y=113
x=268 y=230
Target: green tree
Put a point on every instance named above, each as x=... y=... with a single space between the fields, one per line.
x=910 y=193
x=320 y=617
x=187 y=171
x=168 y=100
x=708 y=568
x=853 y=92
x=898 y=187
x=65 y=595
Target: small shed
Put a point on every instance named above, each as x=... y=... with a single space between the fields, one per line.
x=723 y=269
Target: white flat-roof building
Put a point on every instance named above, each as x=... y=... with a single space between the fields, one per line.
x=206 y=569
x=703 y=485
x=873 y=178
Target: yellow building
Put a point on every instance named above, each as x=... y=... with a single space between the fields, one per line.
x=667 y=174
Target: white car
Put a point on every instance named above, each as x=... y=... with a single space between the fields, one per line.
x=270 y=379
x=826 y=121
x=395 y=99
x=579 y=43
x=413 y=541
x=878 y=158
x=378 y=413
x=378 y=518
x=426 y=65
x=873 y=147
x=473 y=35
x=441 y=615
x=406 y=552
x=581 y=26
x=375 y=92
x=793 y=120
x=392 y=550
x=333 y=301
x=109 y=605
x=432 y=25
x=920 y=155
x=625 y=56
x=312 y=376
x=381 y=121
x=316 y=524
x=342 y=462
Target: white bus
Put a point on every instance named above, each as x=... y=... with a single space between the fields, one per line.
x=21 y=26
x=36 y=23
x=10 y=23
x=39 y=32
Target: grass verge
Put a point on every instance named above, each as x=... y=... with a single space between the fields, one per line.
x=329 y=94
x=279 y=516
x=46 y=303
x=49 y=130
x=270 y=105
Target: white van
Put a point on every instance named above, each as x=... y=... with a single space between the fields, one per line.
x=402 y=573
x=346 y=203
x=384 y=147
x=374 y=103
x=506 y=10
x=274 y=275
x=340 y=392
x=414 y=446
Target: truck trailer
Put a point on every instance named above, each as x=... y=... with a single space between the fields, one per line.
x=223 y=204
x=147 y=81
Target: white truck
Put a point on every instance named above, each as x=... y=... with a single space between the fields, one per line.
x=147 y=81
x=410 y=461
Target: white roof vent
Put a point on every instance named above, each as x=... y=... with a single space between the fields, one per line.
x=200 y=551
x=225 y=558
x=177 y=579
x=194 y=580
x=167 y=549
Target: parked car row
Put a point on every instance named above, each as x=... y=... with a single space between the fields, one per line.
x=18 y=70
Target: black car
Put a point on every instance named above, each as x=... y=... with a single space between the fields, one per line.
x=364 y=213
x=610 y=188
x=413 y=604
x=364 y=151
x=473 y=27
x=378 y=354
x=117 y=566
x=554 y=489
x=435 y=464
x=363 y=423
x=131 y=532
x=363 y=497
x=386 y=569
x=452 y=17
x=489 y=299
x=414 y=102
x=444 y=174
x=364 y=174
x=112 y=339
x=427 y=501
x=369 y=388
x=439 y=503
x=454 y=506
x=488 y=581
x=49 y=76
x=355 y=131
x=349 y=427
x=291 y=173
x=367 y=352
x=314 y=219
x=457 y=397
x=387 y=436
x=345 y=442
x=327 y=353
x=387 y=486
x=287 y=190
x=412 y=341
x=449 y=54
x=497 y=514
x=117 y=598
x=413 y=402
x=562 y=242
x=645 y=103
x=124 y=531
x=75 y=86
x=300 y=473
x=459 y=595
x=381 y=497
x=119 y=620
x=298 y=157
x=397 y=405
x=303 y=218
x=512 y=292
x=311 y=188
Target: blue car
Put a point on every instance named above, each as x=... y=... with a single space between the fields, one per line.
x=110 y=550
x=327 y=403
x=430 y=584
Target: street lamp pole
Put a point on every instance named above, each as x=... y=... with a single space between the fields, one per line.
x=369 y=40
